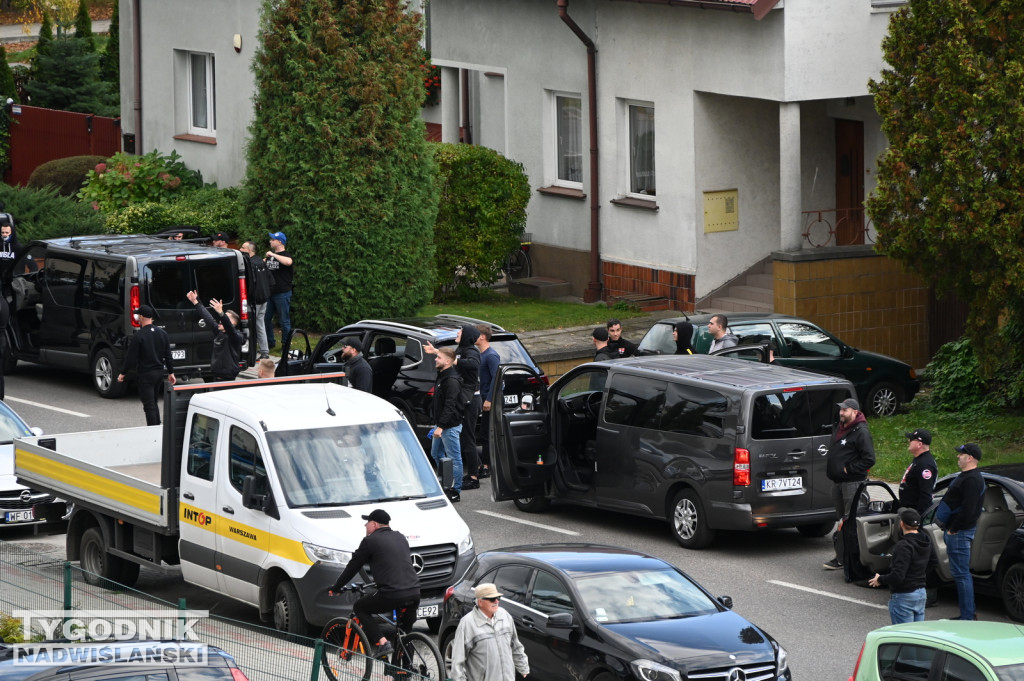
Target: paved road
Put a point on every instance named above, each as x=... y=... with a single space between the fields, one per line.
x=775 y=578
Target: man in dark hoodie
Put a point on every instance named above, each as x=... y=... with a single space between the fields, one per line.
x=682 y=334
x=850 y=456
x=912 y=557
x=227 y=339
x=447 y=410
x=10 y=249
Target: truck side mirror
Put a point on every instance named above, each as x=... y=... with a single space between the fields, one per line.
x=255 y=494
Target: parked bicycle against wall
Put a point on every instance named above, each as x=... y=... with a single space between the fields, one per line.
x=517 y=263
x=348 y=652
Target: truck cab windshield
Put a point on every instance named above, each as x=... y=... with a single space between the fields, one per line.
x=351 y=465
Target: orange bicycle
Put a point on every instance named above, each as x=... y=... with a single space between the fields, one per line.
x=347 y=654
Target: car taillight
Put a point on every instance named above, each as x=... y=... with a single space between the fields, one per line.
x=430 y=393
x=448 y=593
x=238 y=675
x=537 y=380
x=857 y=666
x=133 y=301
x=243 y=292
x=741 y=467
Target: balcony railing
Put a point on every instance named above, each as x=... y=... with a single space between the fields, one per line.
x=838 y=227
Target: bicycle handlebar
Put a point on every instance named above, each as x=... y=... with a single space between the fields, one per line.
x=355 y=586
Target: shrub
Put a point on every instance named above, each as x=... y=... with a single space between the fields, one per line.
x=955 y=376
x=44 y=214
x=481 y=215
x=126 y=179
x=210 y=209
x=66 y=175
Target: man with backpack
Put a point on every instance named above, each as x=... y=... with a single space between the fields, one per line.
x=258 y=297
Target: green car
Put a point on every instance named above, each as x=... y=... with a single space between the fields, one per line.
x=883 y=383
x=943 y=649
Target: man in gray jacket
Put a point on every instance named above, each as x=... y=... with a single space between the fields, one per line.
x=486 y=645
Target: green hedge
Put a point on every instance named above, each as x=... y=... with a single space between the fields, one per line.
x=67 y=175
x=211 y=209
x=44 y=214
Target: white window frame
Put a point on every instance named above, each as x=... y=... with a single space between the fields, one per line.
x=209 y=95
x=556 y=152
x=626 y=149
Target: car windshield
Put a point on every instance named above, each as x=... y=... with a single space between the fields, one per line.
x=1010 y=672
x=356 y=464
x=511 y=351
x=641 y=595
x=11 y=427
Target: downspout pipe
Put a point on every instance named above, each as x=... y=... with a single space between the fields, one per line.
x=137 y=72
x=593 y=291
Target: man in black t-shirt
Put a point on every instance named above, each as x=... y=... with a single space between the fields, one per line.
x=282 y=266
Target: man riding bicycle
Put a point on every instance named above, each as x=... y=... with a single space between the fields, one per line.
x=390 y=561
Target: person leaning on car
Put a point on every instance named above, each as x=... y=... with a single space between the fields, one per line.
x=850 y=457
x=912 y=558
x=918 y=483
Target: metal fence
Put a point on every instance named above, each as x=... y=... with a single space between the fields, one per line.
x=32 y=580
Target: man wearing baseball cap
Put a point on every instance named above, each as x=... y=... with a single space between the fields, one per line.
x=912 y=557
x=963 y=499
x=918 y=481
x=486 y=645
x=149 y=355
x=851 y=454
x=281 y=266
x=220 y=239
x=390 y=560
x=357 y=369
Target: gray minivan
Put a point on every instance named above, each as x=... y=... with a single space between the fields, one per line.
x=72 y=301
x=707 y=443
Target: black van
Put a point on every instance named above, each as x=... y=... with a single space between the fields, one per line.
x=73 y=300
x=707 y=443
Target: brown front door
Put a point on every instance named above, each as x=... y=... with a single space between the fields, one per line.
x=849 y=182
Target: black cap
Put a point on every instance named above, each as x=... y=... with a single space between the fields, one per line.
x=378 y=515
x=600 y=333
x=221 y=236
x=352 y=342
x=921 y=435
x=146 y=311
x=849 y=403
x=910 y=517
x=970 y=448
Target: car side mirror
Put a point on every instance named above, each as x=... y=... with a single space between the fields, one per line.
x=256 y=496
x=847 y=352
x=726 y=601
x=560 y=620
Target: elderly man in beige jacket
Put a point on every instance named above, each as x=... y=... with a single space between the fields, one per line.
x=486 y=646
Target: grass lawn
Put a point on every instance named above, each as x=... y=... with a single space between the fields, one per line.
x=1001 y=437
x=531 y=314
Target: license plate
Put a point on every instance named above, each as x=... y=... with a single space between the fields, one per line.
x=775 y=484
x=20 y=516
x=512 y=399
x=426 y=611
x=177 y=354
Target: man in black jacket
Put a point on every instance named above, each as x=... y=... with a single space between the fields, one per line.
x=918 y=481
x=448 y=412
x=850 y=456
x=357 y=369
x=963 y=499
x=390 y=560
x=467 y=363
x=227 y=339
x=616 y=343
x=601 y=349
x=149 y=354
x=912 y=557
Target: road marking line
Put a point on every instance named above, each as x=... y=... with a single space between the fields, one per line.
x=529 y=522
x=826 y=593
x=46 y=406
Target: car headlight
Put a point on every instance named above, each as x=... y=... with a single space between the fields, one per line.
x=782 y=660
x=466 y=544
x=322 y=554
x=648 y=670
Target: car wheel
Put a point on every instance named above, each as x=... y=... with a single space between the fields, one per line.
x=689 y=522
x=1013 y=592
x=288 y=616
x=819 y=530
x=532 y=504
x=104 y=375
x=446 y=651
x=884 y=399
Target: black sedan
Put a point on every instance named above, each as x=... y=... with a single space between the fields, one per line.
x=604 y=613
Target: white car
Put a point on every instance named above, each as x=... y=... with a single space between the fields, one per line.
x=20 y=505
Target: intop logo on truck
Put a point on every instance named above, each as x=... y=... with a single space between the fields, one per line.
x=196 y=517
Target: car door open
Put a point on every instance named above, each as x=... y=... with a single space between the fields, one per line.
x=520 y=440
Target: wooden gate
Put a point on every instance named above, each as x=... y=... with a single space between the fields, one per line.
x=39 y=135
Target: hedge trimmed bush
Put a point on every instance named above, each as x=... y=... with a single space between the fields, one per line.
x=125 y=179
x=44 y=214
x=66 y=175
x=210 y=209
x=481 y=215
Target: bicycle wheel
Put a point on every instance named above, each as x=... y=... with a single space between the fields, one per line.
x=346 y=655
x=421 y=656
x=518 y=265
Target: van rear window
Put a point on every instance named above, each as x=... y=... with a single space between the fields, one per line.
x=786 y=414
x=168 y=281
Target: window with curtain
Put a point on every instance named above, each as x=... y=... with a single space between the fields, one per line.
x=202 y=94
x=641 y=150
x=569 y=138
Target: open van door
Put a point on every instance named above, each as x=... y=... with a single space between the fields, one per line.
x=520 y=440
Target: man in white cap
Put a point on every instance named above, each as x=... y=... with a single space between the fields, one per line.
x=486 y=646
x=851 y=454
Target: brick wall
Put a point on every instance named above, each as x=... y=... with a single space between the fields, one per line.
x=861 y=297
x=620 y=279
